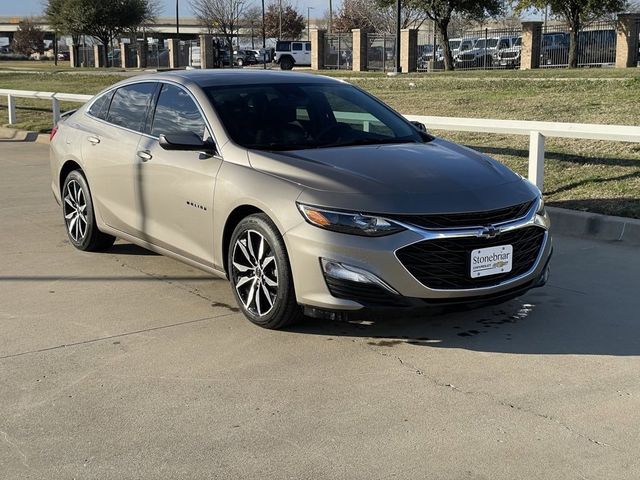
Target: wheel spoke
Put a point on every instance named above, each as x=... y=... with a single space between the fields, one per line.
x=250 y=296
x=250 y=247
x=241 y=268
x=244 y=280
x=70 y=215
x=73 y=221
x=68 y=201
x=260 y=249
x=243 y=249
x=267 y=261
x=269 y=282
x=267 y=294
x=257 y=301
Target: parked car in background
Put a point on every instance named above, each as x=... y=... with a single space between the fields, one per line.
x=484 y=52
x=458 y=45
x=290 y=53
x=555 y=49
x=5 y=49
x=244 y=57
x=64 y=55
x=310 y=195
x=509 y=57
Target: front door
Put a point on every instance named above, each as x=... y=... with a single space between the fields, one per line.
x=176 y=201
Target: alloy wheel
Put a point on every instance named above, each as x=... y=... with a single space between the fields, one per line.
x=75 y=210
x=255 y=273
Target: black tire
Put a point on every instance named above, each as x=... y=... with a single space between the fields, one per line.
x=286 y=63
x=271 y=307
x=79 y=217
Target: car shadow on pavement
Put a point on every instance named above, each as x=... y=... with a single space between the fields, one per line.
x=130 y=249
x=545 y=321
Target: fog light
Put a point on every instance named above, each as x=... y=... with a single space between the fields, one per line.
x=341 y=271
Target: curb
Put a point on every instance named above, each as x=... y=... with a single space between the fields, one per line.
x=594 y=226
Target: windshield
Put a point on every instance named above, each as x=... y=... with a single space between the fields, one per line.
x=491 y=43
x=292 y=116
x=453 y=44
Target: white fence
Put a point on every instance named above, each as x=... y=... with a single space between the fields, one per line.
x=537 y=131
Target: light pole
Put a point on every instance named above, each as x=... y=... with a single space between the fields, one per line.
x=398 y=68
x=264 y=41
x=280 y=20
x=330 y=16
x=309 y=22
x=177 y=20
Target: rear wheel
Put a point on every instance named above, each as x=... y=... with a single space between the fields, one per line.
x=260 y=274
x=79 y=216
x=240 y=62
x=286 y=63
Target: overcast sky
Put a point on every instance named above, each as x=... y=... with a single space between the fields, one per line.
x=34 y=7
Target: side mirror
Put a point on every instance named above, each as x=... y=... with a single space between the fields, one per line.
x=185 y=142
x=419 y=126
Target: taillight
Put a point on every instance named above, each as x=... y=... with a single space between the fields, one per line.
x=54 y=130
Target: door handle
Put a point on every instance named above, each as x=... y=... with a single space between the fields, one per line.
x=93 y=140
x=145 y=155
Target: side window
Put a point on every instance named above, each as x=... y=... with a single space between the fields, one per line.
x=307 y=47
x=129 y=105
x=100 y=107
x=176 y=112
x=297 y=47
x=283 y=46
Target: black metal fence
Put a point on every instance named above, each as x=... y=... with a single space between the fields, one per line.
x=338 y=51
x=381 y=52
x=596 y=45
x=157 y=55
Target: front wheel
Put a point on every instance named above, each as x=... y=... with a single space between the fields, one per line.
x=79 y=216
x=260 y=274
x=240 y=62
x=286 y=63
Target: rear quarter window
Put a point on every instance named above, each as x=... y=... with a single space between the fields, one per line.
x=100 y=107
x=283 y=46
x=129 y=105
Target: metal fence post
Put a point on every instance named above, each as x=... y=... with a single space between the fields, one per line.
x=536 y=159
x=11 y=106
x=55 y=105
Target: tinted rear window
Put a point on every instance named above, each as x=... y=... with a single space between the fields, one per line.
x=283 y=46
x=129 y=105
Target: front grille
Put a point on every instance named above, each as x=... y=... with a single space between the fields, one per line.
x=366 y=294
x=467 y=57
x=445 y=263
x=473 y=219
x=509 y=54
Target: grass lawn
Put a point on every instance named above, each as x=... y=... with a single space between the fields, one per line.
x=588 y=175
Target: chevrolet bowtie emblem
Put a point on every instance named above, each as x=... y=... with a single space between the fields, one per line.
x=489 y=231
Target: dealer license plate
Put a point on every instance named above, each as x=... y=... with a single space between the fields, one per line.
x=491 y=261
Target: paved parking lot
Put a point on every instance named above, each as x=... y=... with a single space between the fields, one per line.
x=130 y=365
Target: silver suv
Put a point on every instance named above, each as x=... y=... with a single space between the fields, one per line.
x=307 y=193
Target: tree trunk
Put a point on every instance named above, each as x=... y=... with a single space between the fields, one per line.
x=574 y=26
x=443 y=27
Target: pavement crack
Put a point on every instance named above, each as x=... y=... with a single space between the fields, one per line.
x=118 y=335
x=15 y=447
x=498 y=401
x=182 y=286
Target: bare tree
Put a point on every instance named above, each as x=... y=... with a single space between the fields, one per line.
x=253 y=20
x=220 y=16
x=378 y=15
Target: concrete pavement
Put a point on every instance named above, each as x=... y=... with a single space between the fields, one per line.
x=127 y=364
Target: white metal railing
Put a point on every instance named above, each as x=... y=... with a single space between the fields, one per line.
x=53 y=96
x=537 y=131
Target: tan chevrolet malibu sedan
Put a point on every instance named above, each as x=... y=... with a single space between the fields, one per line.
x=307 y=193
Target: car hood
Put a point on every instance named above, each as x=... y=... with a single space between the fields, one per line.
x=438 y=176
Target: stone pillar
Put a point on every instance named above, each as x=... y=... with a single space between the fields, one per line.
x=141 y=54
x=125 y=55
x=206 y=51
x=627 y=30
x=174 y=52
x=531 y=45
x=317 y=49
x=409 y=50
x=359 y=50
x=99 y=56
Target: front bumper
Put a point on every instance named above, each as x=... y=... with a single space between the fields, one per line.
x=307 y=244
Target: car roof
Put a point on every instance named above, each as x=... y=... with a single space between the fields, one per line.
x=207 y=78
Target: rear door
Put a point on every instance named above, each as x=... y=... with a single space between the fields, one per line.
x=307 y=54
x=176 y=197
x=109 y=145
x=297 y=52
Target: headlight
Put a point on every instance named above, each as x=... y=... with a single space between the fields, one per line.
x=346 y=222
